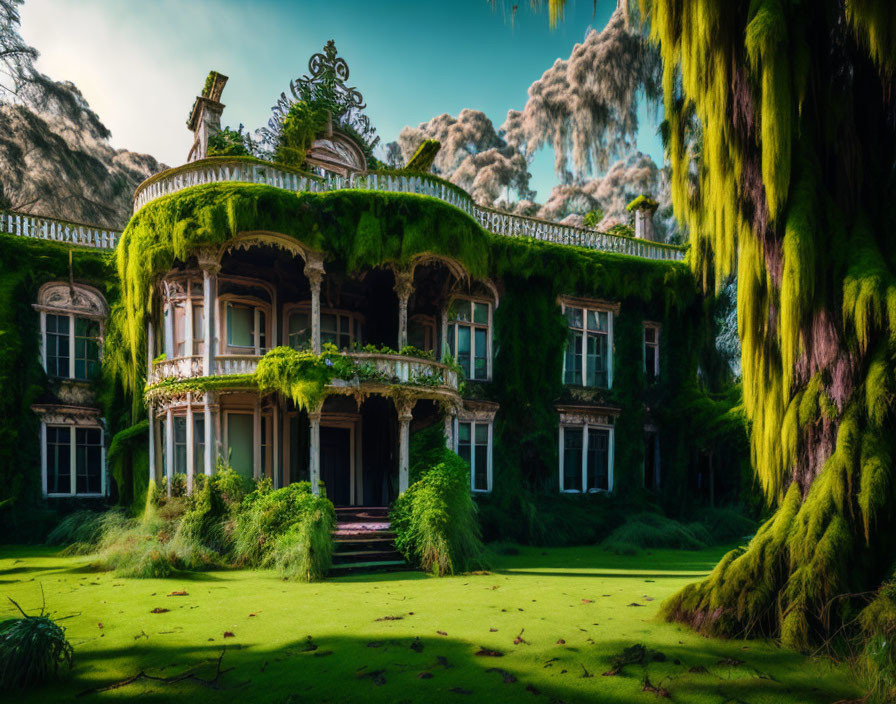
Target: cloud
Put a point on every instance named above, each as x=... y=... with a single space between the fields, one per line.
x=473 y=155
x=585 y=107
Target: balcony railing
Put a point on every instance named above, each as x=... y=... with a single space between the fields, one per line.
x=385 y=368
x=249 y=170
x=42 y=228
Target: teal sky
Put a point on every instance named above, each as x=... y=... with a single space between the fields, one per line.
x=140 y=64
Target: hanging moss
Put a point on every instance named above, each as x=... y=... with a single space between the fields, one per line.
x=785 y=176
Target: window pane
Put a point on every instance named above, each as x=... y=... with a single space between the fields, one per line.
x=198 y=445
x=299 y=331
x=87 y=350
x=463 y=349
x=329 y=330
x=180 y=337
x=180 y=445
x=198 y=329
x=463 y=442
x=574 y=316
x=262 y=329
x=480 y=313
x=480 y=473
x=597 y=321
x=573 y=358
x=88 y=461
x=240 y=325
x=598 y=459
x=572 y=459
x=649 y=334
x=239 y=442
x=481 y=369
x=481 y=434
x=459 y=310
x=59 y=472
x=57 y=346
x=344 y=325
x=597 y=361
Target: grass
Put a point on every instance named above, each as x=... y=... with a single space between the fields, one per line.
x=376 y=638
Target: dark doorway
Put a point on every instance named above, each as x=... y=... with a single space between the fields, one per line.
x=336 y=464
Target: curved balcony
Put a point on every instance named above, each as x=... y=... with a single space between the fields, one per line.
x=38 y=227
x=256 y=171
x=379 y=369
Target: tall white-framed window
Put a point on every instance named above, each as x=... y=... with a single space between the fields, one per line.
x=651 y=351
x=73 y=459
x=182 y=333
x=71 y=321
x=586 y=458
x=473 y=442
x=469 y=336
x=240 y=433
x=245 y=325
x=588 y=360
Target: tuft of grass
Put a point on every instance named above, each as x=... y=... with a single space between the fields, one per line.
x=32 y=650
x=81 y=532
x=651 y=530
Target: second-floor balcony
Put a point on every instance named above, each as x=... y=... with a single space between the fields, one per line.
x=372 y=368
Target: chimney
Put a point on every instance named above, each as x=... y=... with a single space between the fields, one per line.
x=205 y=117
x=644 y=207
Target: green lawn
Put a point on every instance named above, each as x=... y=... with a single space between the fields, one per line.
x=573 y=608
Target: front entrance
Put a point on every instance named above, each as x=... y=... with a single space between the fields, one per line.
x=336 y=463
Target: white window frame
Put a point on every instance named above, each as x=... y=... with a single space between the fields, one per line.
x=356 y=321
x=611 y=451
x=55 y=298
x=595 y=307
x=473 y=422
x=488 y=333
x=73 y=459
x=655 y=345
x=259 y=307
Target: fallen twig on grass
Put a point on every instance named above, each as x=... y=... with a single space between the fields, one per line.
x=188 y=675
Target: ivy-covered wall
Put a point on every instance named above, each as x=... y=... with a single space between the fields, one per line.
x=360 y=230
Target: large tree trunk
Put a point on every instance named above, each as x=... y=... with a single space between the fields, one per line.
x=782 y=139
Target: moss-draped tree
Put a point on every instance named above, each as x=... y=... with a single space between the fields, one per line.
x=781 y=132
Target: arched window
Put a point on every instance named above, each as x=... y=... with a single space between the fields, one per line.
x=72 y=317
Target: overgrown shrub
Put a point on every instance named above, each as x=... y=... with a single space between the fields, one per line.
x=305 y=550
x=726 y=524
x=32 y=650
x=435 y=520
x=287 y=520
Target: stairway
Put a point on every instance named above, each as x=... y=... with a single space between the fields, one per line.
x=363 y=541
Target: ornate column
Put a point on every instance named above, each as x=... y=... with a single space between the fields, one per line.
x=208 y=262
x=404 y=287
x=169 y=449
x=404 y=407
x=450 y=415
x=314 y=445
x=190 y=440
x=314 y=270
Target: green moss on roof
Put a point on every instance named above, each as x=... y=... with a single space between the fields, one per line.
x=425 y=155
x=642 y=202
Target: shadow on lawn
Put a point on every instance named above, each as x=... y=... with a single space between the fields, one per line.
x=428 y=669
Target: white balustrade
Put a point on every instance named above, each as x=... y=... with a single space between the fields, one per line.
x=221 y=169
x=23 y=225
x=176 y=368
x=394 y=368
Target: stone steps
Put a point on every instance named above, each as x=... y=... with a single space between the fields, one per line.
x=364 y=542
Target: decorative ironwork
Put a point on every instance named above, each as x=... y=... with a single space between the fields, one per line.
x=324 y=83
